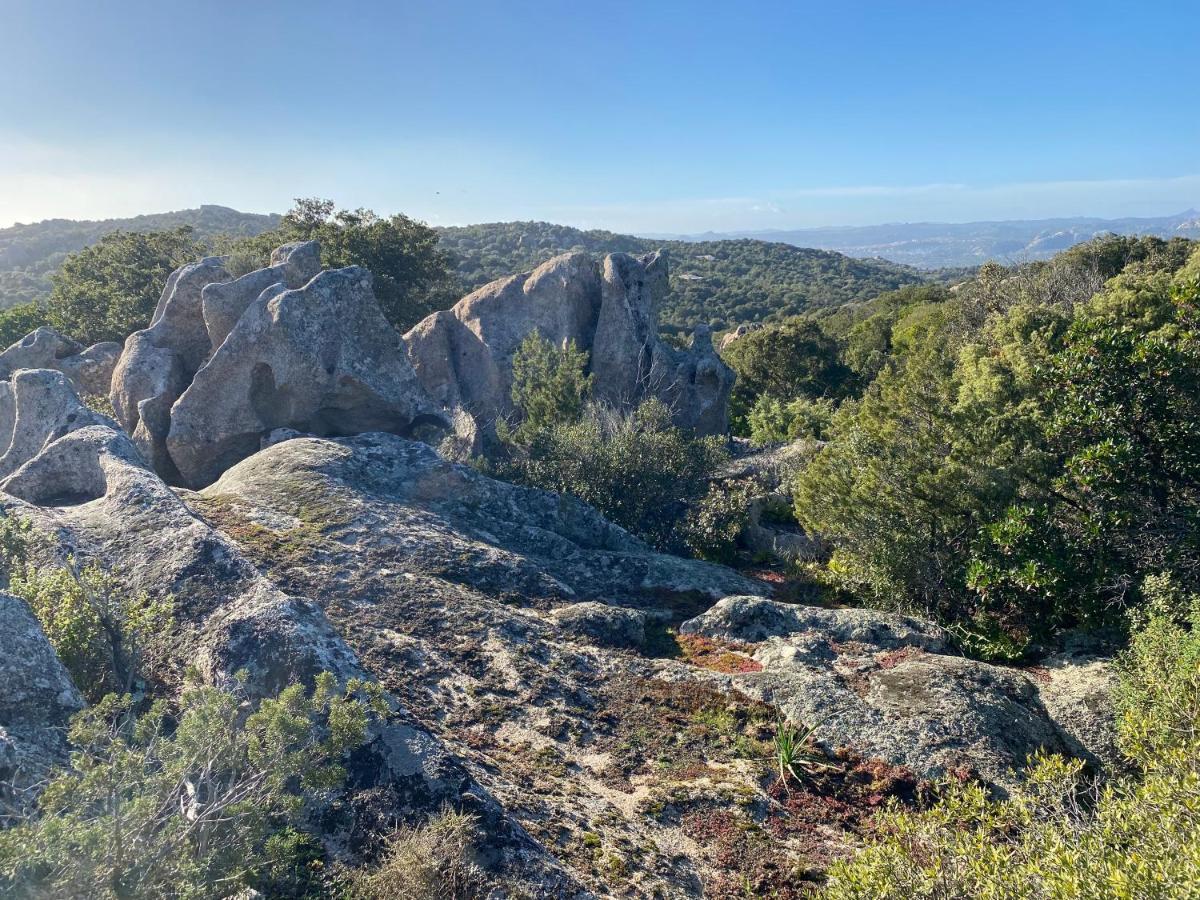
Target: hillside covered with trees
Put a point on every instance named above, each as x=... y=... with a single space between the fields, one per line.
x=717 y=283
x=29 y=253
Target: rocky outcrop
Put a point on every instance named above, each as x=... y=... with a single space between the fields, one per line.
x=738 y=333
x=37 y=407
x=223 y=303
x=889 y=687
x=431 y=519
x=37 y=700
x=320 y=359
x=227 y=360
x=463 y=356
x=232 y=621
x=90 y=369
x=159 y=362
x=199 y=305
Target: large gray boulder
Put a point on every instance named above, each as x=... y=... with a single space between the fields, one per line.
x=320 y=359
x=90 y=369
x=38 y=406
x=158 y=363
x=463 y=356
x=223 y=303
x=888 y=686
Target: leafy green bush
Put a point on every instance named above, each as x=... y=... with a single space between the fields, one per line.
x=773 y=421
x=203 y=803
x=790 y=359
x=549 y=385
x=712 y=525
x=1025 y=457
x=637 y=468
x=1134 y=837
x=98 y=630
x=109 y=290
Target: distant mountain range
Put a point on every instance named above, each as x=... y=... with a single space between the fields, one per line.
x=933 y=245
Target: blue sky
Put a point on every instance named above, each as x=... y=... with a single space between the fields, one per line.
x=645 y=117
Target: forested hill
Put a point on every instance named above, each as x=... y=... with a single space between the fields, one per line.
x=721 y=283
x=30 y=252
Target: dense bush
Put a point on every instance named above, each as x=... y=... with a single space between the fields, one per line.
x=712 y=525
x=18 y=321
x=1059 y=836
x=784 y=362
x=202 y=802
x=549 y=385
x=637 y=468
x=99 y=631
x=1027 y=455
x=772 y=421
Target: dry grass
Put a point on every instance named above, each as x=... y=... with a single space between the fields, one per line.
x=430 y=862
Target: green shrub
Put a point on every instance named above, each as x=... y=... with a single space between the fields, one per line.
x=773 y=421
x=201 y=804
x=18 y=321
x=99 y=631
x=549 y=385
x=711 y=527
x=637 y=468
x=110 y=289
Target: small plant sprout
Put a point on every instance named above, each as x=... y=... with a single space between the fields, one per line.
x=794 y=750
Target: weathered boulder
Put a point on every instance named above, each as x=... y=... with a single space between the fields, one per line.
x=320 y=359
x=40 y=349
x=37 y=700
x=887 y=686
x=37 y=407
x=602 y=624
x=158 y=363
x=441 y=519
x=463 y=356
x=224 y=302
x=739 y=332
x=89 y=369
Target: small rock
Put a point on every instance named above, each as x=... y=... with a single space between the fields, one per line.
x=607 y=626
